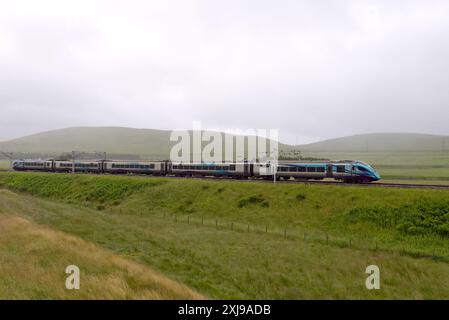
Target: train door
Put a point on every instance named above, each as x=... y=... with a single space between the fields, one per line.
x=330 y=173
x=245 y=169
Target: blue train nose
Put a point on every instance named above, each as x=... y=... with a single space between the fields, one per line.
x=376 y=176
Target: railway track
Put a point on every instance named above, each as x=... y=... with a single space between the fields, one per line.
x=329 y=183
x=308 y=182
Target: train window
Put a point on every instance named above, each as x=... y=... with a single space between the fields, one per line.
x=232 y=167
x=362 y=169
x=311 y=169
x=341 y=169
x=293 y=169
x=301 y=169
x=320 y=169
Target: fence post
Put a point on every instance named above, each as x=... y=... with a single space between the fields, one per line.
x=327 y=239
x=232 y=226
x=216 y=223
x=248 y=228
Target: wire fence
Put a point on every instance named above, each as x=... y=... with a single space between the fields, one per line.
x=374 y=245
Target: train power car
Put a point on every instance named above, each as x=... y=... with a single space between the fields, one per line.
x=346 y=171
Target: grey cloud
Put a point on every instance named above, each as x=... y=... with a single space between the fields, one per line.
x=313 y=69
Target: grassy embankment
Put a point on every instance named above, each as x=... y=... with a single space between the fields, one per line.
x=332 y=232
x=33 y=259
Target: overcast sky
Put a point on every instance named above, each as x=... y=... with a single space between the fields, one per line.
x=312 y=69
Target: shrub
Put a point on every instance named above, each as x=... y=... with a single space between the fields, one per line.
x=418 y=218
x=255 y=199
x=301 y=197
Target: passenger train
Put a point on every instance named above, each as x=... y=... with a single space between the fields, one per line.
x=347 y=171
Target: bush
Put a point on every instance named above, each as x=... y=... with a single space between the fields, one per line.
x=419 y=218
x=301 y=197
x=256 y=199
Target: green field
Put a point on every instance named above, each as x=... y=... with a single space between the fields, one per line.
x=4 y=165
x=227 y=239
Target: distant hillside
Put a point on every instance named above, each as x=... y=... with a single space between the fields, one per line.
x=87 y=139
x=147 y=143
x=381 y=142
x=155 y=144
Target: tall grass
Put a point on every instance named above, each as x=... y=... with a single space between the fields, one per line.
x=33 y=260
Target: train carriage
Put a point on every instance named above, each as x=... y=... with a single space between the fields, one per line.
x=31 y=165
x=207 y=169
x=135 y=167
x=80 y=166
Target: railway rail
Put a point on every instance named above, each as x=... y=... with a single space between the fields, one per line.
x=315 y=182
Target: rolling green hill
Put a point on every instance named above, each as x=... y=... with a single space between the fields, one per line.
x=92 y=139
x=381 y=142
x=121 y=140
x=147 y=143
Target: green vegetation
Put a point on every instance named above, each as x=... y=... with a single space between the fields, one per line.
x=229 y=239
x=4 y=165
x=33 y=260
x=424 y=217
x=88 y=189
